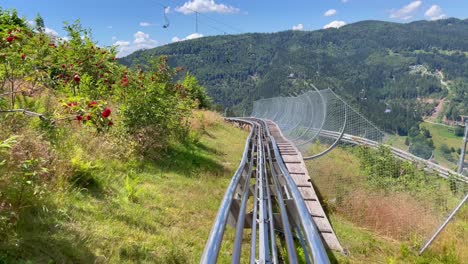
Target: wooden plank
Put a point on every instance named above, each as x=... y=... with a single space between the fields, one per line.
x=292 y=159
x=298 y=171
x=323 y=225
x=294 y=168
x=300 y=179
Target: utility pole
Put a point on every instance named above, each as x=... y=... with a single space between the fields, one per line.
x=463 y=148
x=196 y=22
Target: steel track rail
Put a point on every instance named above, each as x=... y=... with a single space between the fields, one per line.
x=272 y=189
x=401 y=154
x=213 y=245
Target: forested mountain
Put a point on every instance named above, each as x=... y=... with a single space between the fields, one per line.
x=389 y=70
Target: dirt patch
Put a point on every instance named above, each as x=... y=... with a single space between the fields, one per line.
x=438 y=109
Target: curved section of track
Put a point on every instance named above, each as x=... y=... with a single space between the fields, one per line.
x=401 y=154
x=264 y=197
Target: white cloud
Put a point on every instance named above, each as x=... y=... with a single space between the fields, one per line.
x=298 y=27
x=142 y=38
x=194 y=36
x=122 y=43
x=205 y=6
x=406 y=12
x=176 y=39
x=191 y=36
x=141 y=41
x=334 y=24
x=145 y=24
x=330 y=12
x=435 y=13
x=51 y=32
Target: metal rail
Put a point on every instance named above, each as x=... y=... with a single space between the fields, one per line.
x=213 y=245
x=355 y=140
x=276 y=203
x=444 y=224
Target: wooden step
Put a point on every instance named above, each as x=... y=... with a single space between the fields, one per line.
x=294 y=163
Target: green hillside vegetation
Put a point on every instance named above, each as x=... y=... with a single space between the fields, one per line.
x=100 y=163
x=420 y=142
x=144 y=211
x=372 y=64
x=382 y=209
x=447 y=142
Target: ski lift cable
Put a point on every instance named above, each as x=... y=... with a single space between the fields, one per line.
x=165 y=11
x=166 y=19
x=199 y=22
x=213 y=19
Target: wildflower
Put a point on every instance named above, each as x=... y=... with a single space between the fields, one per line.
x=76 y=78
x=124 y=81
x=79 y=117
x=106 y=113
x=92 y=104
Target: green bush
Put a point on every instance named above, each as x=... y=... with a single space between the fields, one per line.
x=70 y=103
x=459 y=131
x=445 y=149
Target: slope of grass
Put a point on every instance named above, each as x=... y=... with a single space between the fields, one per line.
x=440 y=135
x=139 y=211
x=382 y=226
x=444 y=135
x=364 y=246
x=397 y=142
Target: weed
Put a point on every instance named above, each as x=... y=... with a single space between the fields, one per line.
x=131 y=182
x=83 y=175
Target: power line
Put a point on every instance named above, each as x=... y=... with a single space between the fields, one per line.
x=212 y=19
x=198 y=21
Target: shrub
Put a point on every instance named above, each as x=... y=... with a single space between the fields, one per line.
x=459 y=131
x=445 y=149
x=155 y=108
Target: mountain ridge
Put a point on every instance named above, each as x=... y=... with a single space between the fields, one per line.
x=367 y=59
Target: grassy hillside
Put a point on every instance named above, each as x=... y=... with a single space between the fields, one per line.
x=145 y=211
x=100 y=163
x=383 y=219
x=447 y=144
x=373 y=64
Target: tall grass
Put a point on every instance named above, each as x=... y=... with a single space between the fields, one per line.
x=106 y=204
x=400 y=212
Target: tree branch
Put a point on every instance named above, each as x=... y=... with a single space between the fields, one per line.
x=25 y=112
x=9 y=93
x=34 y=114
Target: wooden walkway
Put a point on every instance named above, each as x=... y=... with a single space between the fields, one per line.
x=298 y=171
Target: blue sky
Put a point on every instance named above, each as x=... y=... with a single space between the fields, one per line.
x=137 y=24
